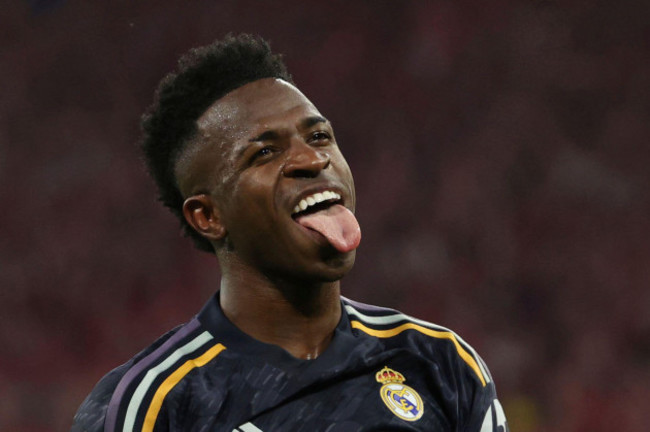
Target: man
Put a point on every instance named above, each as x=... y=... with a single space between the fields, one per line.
x=254 y=173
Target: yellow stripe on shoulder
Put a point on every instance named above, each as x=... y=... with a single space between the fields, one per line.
x=467 y=357
x=172 y=380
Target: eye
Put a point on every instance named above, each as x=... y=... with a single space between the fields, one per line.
x=262 y=153
x=320 y=136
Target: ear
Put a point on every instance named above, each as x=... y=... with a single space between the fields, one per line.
x=202 y=215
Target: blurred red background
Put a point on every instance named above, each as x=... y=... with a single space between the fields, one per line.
x=500 y=152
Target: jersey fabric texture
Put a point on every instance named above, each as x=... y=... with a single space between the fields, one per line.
x=383 y=371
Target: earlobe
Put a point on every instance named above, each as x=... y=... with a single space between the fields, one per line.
x=201 y=213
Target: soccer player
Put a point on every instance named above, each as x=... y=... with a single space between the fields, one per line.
x=253 y=171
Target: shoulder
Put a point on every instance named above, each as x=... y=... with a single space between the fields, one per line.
x=433 y=340
x=461 y=367
x=90 y=415
x=101 y=409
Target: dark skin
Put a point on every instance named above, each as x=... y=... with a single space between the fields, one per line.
x=259 y=150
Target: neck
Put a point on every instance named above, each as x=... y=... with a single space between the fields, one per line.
x=298 y=316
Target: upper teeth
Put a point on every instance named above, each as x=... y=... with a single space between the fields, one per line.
x=315 y=199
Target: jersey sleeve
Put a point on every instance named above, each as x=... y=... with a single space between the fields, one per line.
x=494 y=419
x=486 y=413
x=92 y=412
x=91 y=415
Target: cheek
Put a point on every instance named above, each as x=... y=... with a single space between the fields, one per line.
x=252 y=199
x=339 y=160
x=344 y=172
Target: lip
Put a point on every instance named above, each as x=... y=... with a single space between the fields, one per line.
x=316 y=189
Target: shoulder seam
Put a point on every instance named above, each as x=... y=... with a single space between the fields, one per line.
x=142 y=370
x=392 y=324
x=172 y=380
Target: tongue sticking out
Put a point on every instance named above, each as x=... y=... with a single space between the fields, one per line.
x=337 y=224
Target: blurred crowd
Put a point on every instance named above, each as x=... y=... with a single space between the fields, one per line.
x=499 y=152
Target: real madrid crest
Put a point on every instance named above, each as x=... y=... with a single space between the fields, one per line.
x=401 y=399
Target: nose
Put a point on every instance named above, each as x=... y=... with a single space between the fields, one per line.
x=305 y=161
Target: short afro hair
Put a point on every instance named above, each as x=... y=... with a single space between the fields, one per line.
x=203 y=76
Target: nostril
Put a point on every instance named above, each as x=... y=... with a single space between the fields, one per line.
x=301 y=173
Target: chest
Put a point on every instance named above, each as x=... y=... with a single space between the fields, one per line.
x=389 y=394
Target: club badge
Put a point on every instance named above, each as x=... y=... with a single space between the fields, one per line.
x=401 y=399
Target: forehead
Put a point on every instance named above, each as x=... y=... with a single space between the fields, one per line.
x=228 y=124
x=260 y=104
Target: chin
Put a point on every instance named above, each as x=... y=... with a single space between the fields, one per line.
x=329 y=267
x=335 y=267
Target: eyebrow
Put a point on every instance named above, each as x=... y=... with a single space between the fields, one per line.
x=312 y=121
x=265 y=136
x=305 y=124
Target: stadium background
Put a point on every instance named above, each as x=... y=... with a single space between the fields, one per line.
x=500 y=152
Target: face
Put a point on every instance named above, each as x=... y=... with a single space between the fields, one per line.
x=262 y=149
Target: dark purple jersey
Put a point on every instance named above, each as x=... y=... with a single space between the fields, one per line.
x=383 y=371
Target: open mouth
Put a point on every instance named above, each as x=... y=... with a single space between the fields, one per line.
x=323 y=215
x=315 y=203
